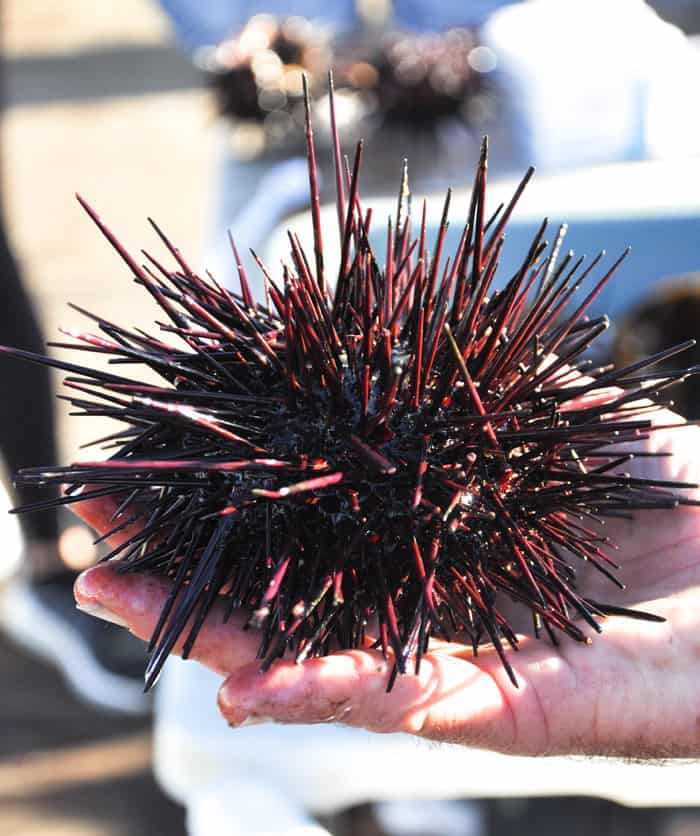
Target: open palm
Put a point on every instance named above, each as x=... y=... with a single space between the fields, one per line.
x=631 y=692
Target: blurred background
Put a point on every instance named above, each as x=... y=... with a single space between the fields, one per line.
x=146 y=113
x=98 y=100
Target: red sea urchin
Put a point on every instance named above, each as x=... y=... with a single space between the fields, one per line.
x=257 y=75
x=397 y=454
x=420 y=79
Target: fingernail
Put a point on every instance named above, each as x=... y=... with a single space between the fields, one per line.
x=252 y=720
x=98 y=611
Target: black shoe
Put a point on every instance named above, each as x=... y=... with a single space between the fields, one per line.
x=103 y=664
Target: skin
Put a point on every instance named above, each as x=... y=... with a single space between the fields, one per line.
x=632 y=692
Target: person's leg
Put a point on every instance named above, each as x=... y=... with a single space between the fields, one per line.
x=103 y=664
x=27 y=433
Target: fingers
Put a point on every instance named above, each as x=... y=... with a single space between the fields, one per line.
x=136 y=600
x=630 y=694
x=450 y=699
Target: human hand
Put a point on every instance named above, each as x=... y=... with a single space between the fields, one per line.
x=632 y=692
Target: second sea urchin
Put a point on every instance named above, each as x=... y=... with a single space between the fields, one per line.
x=384 y=459
x=257 y=74
x=421 y=79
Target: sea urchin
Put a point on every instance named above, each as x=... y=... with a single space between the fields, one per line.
x=380 y=460
x=420 y=80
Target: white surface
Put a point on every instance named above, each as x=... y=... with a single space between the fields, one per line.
x=247 y=807
x=415 y=818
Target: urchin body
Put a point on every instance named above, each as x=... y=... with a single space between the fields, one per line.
x=380 y=463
